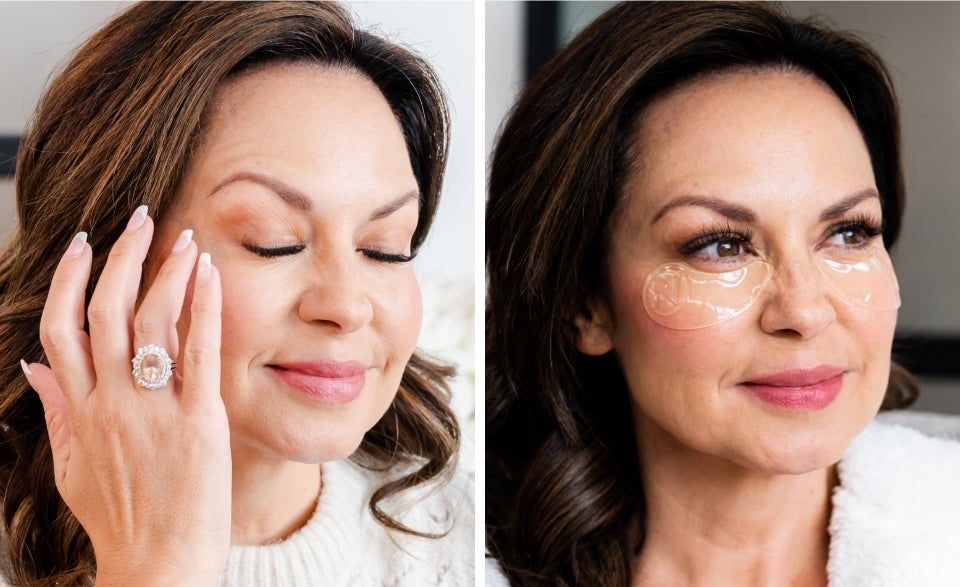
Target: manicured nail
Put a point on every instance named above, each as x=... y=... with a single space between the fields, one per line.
x=76 y=246
x=138 y=218
x=203 y=268
x=182 y=241
x=26 y=369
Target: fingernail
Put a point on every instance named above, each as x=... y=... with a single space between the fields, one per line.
x=203 y=268
x=138 y=218
x=182 y=241
x=76 y=246
x=26 y=369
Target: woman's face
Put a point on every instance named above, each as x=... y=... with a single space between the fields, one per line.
x=732 y=169
x=302 y=192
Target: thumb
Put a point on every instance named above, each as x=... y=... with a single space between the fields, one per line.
x=55 y=411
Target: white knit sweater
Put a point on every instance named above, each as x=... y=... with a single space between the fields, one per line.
x=342 y=545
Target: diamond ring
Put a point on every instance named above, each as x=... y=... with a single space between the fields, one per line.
x=152 y=367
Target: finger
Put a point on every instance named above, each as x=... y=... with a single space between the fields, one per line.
x=157 y=316
x=64 y=340
x=114 y=299
x=56 y=412
x=200 y=357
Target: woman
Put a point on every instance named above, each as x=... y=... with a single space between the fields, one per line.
x=218 y=205
x=691 y=310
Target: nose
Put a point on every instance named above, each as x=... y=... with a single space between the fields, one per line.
x=797 y=304
x=335 y=296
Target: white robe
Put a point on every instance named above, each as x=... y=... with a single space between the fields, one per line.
x=896 y=510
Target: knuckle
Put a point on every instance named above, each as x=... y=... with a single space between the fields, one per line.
x=123 y=250
x=147 y=326
x=54 y=339
x=102 y=314
x=62 y=280
x=195 y=354
x=204 y=307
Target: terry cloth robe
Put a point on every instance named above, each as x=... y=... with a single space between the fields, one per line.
x=896 y=511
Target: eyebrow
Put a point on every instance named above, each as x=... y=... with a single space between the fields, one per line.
x=842 y=207
x=731 y=211
x=741 y=214
x=299 y=200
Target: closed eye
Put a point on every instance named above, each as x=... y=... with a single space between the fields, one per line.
x=385 y=257
x=270 y=252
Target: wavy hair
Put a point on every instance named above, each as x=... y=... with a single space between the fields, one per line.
x=116 y=128
x=564 y=495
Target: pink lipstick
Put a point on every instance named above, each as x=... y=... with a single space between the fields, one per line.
x=799 y=389
x=334 y=381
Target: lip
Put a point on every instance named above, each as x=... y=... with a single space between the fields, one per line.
x=798 y=389
x=328 y=380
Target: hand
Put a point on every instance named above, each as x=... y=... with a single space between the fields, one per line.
x=146 y=472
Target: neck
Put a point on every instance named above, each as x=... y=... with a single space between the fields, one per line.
x=272 y=497
x=713 y=522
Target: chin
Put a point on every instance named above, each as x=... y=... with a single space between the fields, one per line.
x=304 y=442
x=796 y=452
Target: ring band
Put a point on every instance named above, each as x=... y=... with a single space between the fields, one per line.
x=152 y=367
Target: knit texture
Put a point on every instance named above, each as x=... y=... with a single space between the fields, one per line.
x=342 y=545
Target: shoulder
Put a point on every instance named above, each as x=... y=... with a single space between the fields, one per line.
x=444 y=508
x=896 y=518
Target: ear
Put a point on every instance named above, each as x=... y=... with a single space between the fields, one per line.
x=594 y=328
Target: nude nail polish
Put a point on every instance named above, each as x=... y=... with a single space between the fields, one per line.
x=203 y=268
x=182 y=241
x=138 y=218
x=76 y=246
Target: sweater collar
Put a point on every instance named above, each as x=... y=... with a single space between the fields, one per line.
x=325 y=550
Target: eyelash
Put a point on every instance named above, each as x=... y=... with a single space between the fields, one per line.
x=861 y=223
x=373 y=254
x=270 y=253
x=867 y=226
x=715 y=234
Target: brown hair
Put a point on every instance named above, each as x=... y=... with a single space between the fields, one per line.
x=564 y=501
x=115 y=129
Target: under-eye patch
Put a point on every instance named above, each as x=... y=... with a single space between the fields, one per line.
x=678 y=296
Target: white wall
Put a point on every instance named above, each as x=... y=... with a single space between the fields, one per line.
x=37 y=36
x=503 y=65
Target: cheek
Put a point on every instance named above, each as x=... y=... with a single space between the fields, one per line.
x=873 y=333
x=269 y=296
x=399 y=314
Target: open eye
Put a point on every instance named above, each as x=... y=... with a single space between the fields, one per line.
x=854 y=233
x=716 y=244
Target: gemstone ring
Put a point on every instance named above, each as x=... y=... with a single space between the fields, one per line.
x=152 y=367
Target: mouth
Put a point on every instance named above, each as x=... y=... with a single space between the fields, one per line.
x=326 y=380
x=798 y=389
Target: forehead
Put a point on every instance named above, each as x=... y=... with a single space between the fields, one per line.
x=325 y=130
x=764 y=137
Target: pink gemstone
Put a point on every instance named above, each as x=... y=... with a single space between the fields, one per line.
x=151 y=368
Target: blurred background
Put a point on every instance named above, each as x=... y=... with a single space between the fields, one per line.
x=918 y=40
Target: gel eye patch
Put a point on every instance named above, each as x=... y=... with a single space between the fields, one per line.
x=678 y=296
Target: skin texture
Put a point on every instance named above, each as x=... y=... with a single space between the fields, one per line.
x=738 y=488
x=330 y=137
x=300 y=156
